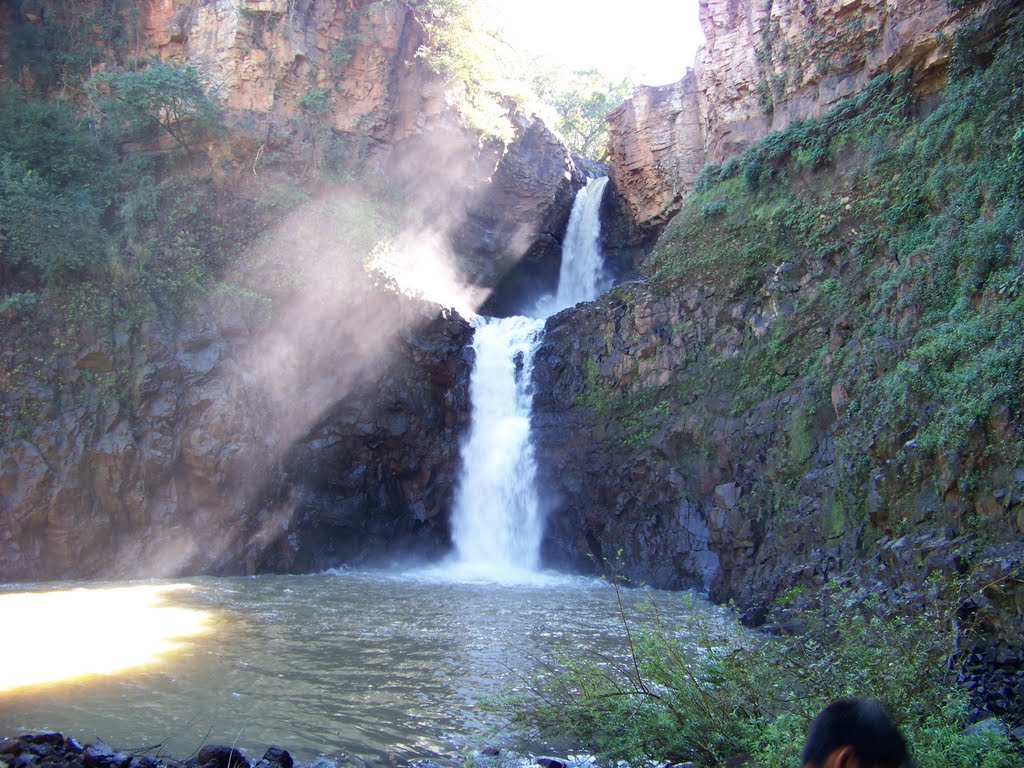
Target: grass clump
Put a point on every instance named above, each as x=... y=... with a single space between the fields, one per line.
x=735 y=693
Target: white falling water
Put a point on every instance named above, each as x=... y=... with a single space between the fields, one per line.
x=497 y=523
x=581 y=277
x=497 y=527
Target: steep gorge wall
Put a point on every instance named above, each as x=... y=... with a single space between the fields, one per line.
x=262 y=427
x=816 y=380
x=766 y=64
x=191 y=471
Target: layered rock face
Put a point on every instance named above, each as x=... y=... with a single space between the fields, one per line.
x=617 y=445
x=299 y=81
x=194 y=468
x=216 y=439
x=656 y=470
x=766 y=63
x=263 y=56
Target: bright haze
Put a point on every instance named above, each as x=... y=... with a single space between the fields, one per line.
x=652 y=42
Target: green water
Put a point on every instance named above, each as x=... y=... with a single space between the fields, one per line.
x=387 y=667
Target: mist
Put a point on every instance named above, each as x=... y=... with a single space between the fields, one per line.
x=319 y=311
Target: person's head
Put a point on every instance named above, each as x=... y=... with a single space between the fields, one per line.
x=854 y=733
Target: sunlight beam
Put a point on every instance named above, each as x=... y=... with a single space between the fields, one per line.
x=70 y=634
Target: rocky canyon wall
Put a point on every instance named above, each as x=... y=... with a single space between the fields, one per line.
x=191 y=470
x=766 y=64
x=295 y=417
x=779 y=404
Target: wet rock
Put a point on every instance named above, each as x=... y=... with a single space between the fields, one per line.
x=551 y=762
x=218 y=455
x=279 y=756
x=990 y=725
x=50 y=738
x=98 y=755
x=221 y=756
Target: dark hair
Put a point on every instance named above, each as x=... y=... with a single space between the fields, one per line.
x=860 y=724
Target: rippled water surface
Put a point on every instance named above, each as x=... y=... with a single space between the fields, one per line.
x=377 y=665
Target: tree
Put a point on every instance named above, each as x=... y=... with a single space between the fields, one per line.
x=582 y=101
x=315 y=107
x=44 y=232
x=159 y=97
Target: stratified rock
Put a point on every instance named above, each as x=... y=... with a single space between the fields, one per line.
x=357 y=51
x=766 y=63
x=195 y=477
x=656 y=148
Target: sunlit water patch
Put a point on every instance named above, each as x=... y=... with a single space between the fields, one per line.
x=69 y=634
x=386 y=667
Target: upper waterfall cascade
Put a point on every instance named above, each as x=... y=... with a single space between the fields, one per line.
x=497 y=523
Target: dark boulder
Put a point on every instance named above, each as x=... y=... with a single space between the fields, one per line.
x=220 y=756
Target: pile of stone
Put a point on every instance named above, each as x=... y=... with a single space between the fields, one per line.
x=54 y=750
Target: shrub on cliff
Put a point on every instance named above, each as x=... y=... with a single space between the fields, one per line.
x=44 y=231
x=56 y=180
x=158 y=97
x=914 y=226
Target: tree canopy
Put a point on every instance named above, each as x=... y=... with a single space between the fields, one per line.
x=160 y=97
x=582 y=101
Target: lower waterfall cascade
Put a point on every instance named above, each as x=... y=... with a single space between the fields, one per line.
x=497 y=521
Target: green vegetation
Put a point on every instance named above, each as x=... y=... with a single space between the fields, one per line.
x=56 y=181
x=486 y=83
x=158 y=97
x=633 y=416
x=886 y=250
x=732 y=693
x=582 y=100
x=460 y=48
x=909 y=231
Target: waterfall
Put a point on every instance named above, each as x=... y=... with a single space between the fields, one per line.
x=497 y=523
x=581 y=277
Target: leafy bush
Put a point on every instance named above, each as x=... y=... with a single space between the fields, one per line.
x=920 y=244
x=158 y=97
x=43 y=230
x=50 y=139
x=458 y=48
x=739 y=693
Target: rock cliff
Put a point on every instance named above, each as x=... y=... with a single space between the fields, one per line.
x=766 y=64
x=314 y=89
x=815 y=380
x=296 y=417
x=192 y=469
